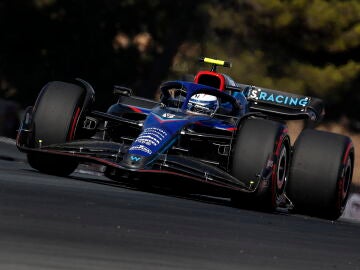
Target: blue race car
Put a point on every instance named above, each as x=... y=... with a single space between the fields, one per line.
x=210 y=136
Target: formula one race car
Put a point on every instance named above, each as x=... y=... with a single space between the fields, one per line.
x=210 y=136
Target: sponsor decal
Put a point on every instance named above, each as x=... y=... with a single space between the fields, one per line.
x=258 y=94
x=151 y=136
x=134 y=158
x=149 y=140
x=157 y=131
x=141 y=148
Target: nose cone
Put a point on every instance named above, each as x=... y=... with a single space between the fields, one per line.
x=133 y=161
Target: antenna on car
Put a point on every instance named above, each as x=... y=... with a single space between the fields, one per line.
x=215 y=62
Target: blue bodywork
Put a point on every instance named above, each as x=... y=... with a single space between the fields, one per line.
x=164 y=123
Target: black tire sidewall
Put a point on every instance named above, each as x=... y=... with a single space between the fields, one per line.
x=315 y=177
x=54 y=111
x=54 y=120
x=258 y=142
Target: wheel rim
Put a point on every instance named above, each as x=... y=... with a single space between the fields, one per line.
x=281 y=170
x=346 y=179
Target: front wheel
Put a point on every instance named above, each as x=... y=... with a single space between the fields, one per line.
x=55 y=119
x=261 y=158
x=320 y=175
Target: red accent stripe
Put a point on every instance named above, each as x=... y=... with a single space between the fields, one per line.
x=347 y=152
x=274 y=183
x=280 y=139
x=73 y=125
x=228 y=129
x=214 y=74
x=137 y=110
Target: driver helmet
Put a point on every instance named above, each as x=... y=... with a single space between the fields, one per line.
x=203 y=104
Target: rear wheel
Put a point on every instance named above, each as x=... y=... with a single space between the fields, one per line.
x=261 y=158
x=321 y=173
x=54 y=121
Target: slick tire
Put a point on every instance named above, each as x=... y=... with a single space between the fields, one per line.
x=261 y=158
x=320 y=175
x=54 y=121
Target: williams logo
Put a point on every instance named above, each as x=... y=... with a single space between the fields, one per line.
x=260 y=95
x=134 y=158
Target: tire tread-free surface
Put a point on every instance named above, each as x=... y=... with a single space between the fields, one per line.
x=317 y=166
x=54 y=111
x=256 y=143
x=53 y=118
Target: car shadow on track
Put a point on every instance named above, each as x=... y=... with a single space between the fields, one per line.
x=141 y=187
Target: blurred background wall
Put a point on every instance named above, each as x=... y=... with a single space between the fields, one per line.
x=310 y=47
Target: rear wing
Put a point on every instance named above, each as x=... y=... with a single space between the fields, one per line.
x=278 y=104
x=285 y=105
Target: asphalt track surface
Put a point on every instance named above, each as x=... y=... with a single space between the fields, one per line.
x=88 y=222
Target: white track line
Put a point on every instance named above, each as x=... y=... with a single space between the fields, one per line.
x=7 y=140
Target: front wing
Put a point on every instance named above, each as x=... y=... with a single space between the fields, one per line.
x=185 y=170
